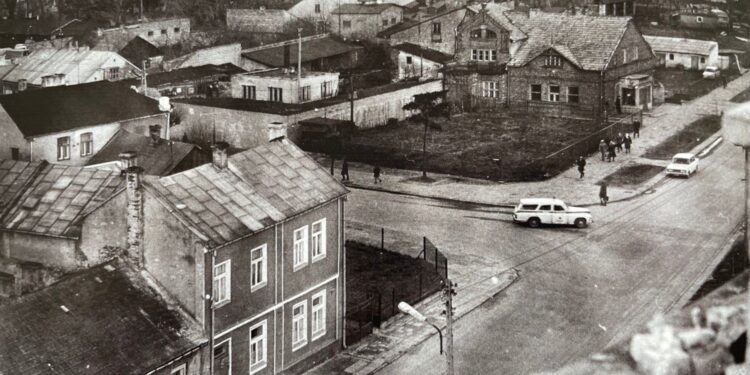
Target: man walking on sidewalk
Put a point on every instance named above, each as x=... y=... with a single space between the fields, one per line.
x=603 y=198
x=637 y=128
x=627 y=141
x=618 y=142
x=345 y=171
x=376 y=175
x=581 y=165
x=611 y=149
x=603 y=149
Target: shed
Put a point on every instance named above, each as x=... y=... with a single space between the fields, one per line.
x=684 y=53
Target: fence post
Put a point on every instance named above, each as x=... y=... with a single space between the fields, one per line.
x=446 y=267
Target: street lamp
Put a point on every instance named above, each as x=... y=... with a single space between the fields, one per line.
x=736 y=127
x=407 y=309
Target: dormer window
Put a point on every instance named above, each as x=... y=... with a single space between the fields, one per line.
x=552 y=60
x=483 y=33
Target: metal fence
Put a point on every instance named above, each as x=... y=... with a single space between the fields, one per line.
x=434 y=257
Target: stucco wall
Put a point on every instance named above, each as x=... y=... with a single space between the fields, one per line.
x=417 y=68
x=366 y=26
x=288 y=84
x=49 y=251
x=140 y=125
x=421 y=34
x=45 y=147
x=116 y=38
x=105 y=226
x=11 y=137
x=684 y=60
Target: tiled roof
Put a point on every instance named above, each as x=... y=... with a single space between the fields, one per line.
x=139 y=49
x=115 y=324
x=681 y=45
x=311 y=50
x=362 y=8
x=156 y=159
x=57 y=197
x=259 y=188
x=426 y=53
x=70 y=107
x=15 y=177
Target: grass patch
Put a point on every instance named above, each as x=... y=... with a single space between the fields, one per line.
x=633 y=174
x=686 y=139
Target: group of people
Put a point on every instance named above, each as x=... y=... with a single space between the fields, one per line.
x=376 y=171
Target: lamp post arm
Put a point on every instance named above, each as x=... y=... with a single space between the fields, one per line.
x=440 y=335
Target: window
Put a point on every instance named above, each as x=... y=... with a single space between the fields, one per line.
x=275 y=94
x=554 y=93
x=436 y=32
x=552 y=60
x=393 y=20
x=703 y=60
x=573 y=95
x=223 y=357
x=484 y=55
x=482 y=33
x=624 y=56
x=22 y=84
x=163 y=31
x=385 y=22
x=317 y=8
x=87 y=144
x=635 y=53
x=528 y=207
x=179 y=370
x=326 y=89
x=176 y=30
x=150 y=33
x=545 y=207
x=318 y=314
x=559 y=208
x=304 y=93
x=408 y=60
x=536 y=92
x=258 y=266
x=113 y=73
x=347 y=24
x=699 y=19
x=222 y=282
x=300 y=248
x=671 y=56
x=63 y=148
x=191 y=90
x=258 y=347
x=319 y=240
x=299 y=325
x=14 y=153
x=490 y=89
x=248 y=92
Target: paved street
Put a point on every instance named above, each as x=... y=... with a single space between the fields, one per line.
x=578 y=290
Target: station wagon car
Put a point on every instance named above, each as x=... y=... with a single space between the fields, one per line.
x=683 y=165
x=538 y=211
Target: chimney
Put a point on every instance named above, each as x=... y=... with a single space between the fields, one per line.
x=276 y=131
x=154 y=131
x=127 y=159
x=219 y=154
x=134 y=193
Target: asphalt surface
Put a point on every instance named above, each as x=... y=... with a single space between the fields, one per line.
x=579 y=290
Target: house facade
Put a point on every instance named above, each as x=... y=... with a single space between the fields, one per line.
x=366 y=20
x=165 y=32
x=266 y=16
x=684 y=53
x=436 y=32
x=284 y=86
x=413 y=61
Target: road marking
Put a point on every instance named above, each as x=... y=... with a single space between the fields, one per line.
x=711 y=147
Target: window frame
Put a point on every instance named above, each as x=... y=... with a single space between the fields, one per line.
x=164 y=31
x=176 y=30
x=318 y=309
x=228 y=285
x=63 y=148
x=299 y=341
x=263 y=268
x=304 y=93
x=479 y=54
x=317 y=8
x=624 y=56
x=346 y=24
x=300 y=262
x=249 y=89
x=552 y=60
x=262 y=364
x=228 y=342
x=87 y=147
x=533 y=93
x=577 y=94
x=275 y=94
x=671 y=57
x=554 y=96
x=322 y=234
x=490 y=89
x=179 y=370
x=385 y=22
x=409 y=60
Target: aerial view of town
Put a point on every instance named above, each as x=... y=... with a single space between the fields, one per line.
x=391 y=187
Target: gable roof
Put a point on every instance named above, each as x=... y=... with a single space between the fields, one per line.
x=312 y=49
x=681 y=45
x=55 y=197
x=156 y=159
x=259 y=188
x=363 y=8
x=78 y=65
x=426 y=53
x=70 y=107
x=116 y=323
x=139 y=49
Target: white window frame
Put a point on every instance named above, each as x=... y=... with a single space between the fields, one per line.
x=554 y=96
x=261 y=364
x=301 y=247
x=275 y=94
x=490 y=89
x=577 y=95
x=299 y=327
x=87 y=146
x=179 y=370
x=63 y=149
x=699 y=19
x=635 y=53
x=261 y=269
x=318 y=314
x=228 y=284
x=624 y=56
x=484 y=55
x=317 y=8
x=249 y=92
x=318 y=240
x=304 y=93
x=671 y=57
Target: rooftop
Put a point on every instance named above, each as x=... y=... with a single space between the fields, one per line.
x=681 y=45
x=259 y=188
x=158 y=159
x=139 y=49
x=70 y=107
x=426 y=53
x=311 y=50
x=279 y=73
x=363 y=8
x=267 y=4
x=189 y=74
x=103 y=320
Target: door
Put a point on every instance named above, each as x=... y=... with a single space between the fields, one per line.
x=694 y=60
x=545 y=214
x=558 y=215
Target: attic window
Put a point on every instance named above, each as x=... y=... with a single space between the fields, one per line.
x=552 y=60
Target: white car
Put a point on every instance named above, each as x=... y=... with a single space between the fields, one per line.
x=683 y=164
x=538 y=211
x=711 y=72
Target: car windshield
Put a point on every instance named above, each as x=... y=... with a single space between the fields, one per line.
x=680 y=161
x=711 y=69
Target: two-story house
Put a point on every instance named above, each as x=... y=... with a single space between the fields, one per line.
x=366 y=20
x=285 y=86
x=69 y=124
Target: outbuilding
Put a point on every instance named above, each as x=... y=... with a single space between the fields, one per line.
x=684 y=53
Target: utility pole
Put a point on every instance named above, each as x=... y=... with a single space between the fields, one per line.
x=449 y=293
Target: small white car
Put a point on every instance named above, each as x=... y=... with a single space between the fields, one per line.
x=683 y=164
x=538 y=211
x=711 y=72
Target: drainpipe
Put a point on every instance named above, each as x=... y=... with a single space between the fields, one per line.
x=31 y=149
x=210 y=299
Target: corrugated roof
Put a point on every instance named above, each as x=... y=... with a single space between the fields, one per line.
x=426 y=53
x=260 y=187
x=156 y=159
x=78 y=65
x=57 y=197
x=311 y=50
x=70 y=107
x=362 y=8
x=681 y=45
x=115 y=324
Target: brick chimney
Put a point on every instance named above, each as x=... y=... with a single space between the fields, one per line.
x=127 y=159
x=219 y=154
x=134 y=211
x=276 y=131
x=154 y=131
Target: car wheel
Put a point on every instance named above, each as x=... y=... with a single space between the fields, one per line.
x=580 y=223
x=534 y=222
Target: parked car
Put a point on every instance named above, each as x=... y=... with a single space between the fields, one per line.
x=711 y=72
x=683 y=164
x=538 y=211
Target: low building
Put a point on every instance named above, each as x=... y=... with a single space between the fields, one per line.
x=164 y=32
x=197 y=81
x=366 y=20
x=436 y=32
x=143 y=54
x=319 y=53
x=49 y=67
x=414 y=61
x=684 y=53
x=216 y=55
x=285 y=86
x=75 y=123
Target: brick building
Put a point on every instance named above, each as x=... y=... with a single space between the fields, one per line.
x=366 y=20
x=285 y=86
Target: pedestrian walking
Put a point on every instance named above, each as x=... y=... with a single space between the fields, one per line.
x=603 y=198
x=603 y=149
x=618 y=106
x=627 y=141
x=618 y=142
x=612 y=154
x=376 y=175
x=724 y=81
x=637 y=128
x=345 y=171
x=581 y=162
